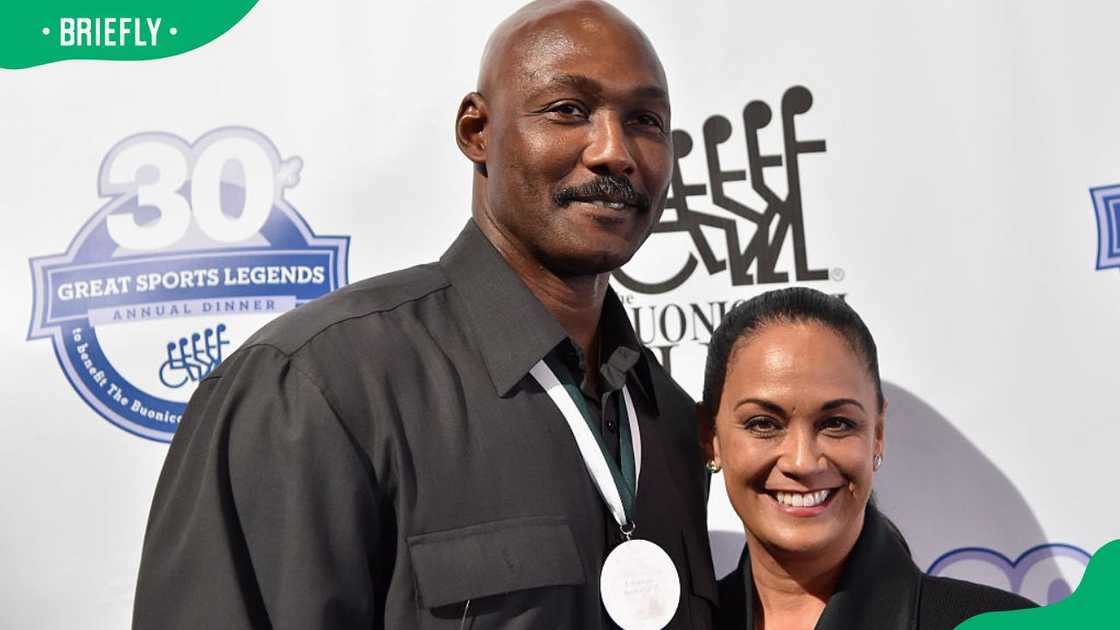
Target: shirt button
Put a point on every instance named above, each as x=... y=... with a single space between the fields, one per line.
x=611 y=426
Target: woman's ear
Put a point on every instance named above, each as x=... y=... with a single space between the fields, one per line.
x=709 y=441
x=471 y=126
x=881 y=431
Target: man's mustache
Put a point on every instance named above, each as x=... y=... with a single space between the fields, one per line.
x=604 y=188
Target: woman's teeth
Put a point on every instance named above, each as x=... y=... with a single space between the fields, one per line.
x=797 y=499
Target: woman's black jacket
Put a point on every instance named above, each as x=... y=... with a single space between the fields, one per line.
x=879 y=588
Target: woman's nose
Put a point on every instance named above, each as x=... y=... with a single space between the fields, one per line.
x=801 y=454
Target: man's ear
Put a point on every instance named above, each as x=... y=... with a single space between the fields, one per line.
x=471 y=126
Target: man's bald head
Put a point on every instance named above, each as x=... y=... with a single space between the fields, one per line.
x=545 y=28
x=569 y=133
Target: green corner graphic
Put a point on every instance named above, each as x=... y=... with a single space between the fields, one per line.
x=35 y=32
x=1095 y=603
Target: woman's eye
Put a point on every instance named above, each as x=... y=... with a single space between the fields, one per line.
x=837 y=424
x=762 y=425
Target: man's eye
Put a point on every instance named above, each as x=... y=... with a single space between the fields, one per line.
x=568 y=109
x=649 y=120
x=762 y=425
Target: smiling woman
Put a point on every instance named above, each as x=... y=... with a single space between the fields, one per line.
x=794 y=414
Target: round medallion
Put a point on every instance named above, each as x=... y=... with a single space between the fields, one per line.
x=639 y=586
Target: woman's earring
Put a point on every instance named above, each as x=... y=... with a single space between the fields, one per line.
x=876 y=461
x=713 y=467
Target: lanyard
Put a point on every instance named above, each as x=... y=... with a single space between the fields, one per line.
x=618 y=485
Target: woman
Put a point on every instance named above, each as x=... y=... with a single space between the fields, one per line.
x=794 y=413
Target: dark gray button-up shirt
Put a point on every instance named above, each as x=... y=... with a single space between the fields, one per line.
x=381 y=457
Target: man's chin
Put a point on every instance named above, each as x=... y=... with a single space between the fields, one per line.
x=586 y=262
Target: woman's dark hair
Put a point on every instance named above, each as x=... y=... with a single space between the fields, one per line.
x=785 y=306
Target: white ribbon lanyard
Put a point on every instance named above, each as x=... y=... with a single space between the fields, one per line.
x=588 y=444
x=638 y=584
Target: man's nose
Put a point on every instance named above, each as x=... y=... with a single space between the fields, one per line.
x=608 y=149
x=801 y=454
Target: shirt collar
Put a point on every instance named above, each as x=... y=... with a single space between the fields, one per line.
x=621 y=349
x=514 y=329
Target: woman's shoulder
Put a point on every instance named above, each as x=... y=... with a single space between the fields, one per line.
x=946 y=602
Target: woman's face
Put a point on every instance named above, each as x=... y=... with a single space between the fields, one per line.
x=796 y=430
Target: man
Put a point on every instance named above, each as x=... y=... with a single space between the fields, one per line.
x=400 y=454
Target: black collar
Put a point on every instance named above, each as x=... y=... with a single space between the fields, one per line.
x=514 y=329
x=878 y=586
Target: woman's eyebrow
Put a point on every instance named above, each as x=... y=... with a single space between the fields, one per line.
x=770 y=406
x=840 y=402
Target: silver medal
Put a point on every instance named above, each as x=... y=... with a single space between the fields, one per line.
x=639 y=586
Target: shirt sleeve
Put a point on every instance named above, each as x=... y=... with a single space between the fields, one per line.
x=266 y=512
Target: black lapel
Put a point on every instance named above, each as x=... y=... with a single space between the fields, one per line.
x=879 y=585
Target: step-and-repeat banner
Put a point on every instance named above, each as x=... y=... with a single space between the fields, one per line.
x=951 y=169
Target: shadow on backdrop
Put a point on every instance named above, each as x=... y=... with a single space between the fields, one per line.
x=961 y=516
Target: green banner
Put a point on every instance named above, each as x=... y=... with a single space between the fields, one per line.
x=35 y=32
x=1093 y=605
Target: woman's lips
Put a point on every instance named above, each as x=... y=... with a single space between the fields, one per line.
x=802 y=504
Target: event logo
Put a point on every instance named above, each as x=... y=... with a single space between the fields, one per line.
x=1042 y=574
x=195 y=250
x=745 y=224
x=1106 y=200
x=779 y=216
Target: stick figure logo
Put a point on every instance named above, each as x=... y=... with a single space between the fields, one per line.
x=779 y=217
x=190 y=361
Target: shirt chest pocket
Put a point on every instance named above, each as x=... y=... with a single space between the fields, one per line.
x=493 y=558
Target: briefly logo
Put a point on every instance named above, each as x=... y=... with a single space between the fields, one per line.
x=1106 y=200
x=776 y=215
x=1045 y=574
x=196 y=249
x=34 y=33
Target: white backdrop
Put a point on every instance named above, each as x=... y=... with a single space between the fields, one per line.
x=951 y=206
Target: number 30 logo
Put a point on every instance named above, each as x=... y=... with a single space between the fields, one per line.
x=181 y=182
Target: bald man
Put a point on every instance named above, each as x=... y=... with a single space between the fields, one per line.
x=480 y=442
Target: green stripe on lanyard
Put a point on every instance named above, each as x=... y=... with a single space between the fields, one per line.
x=624 y=477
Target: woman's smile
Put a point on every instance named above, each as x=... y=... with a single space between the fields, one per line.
x=802 y=504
